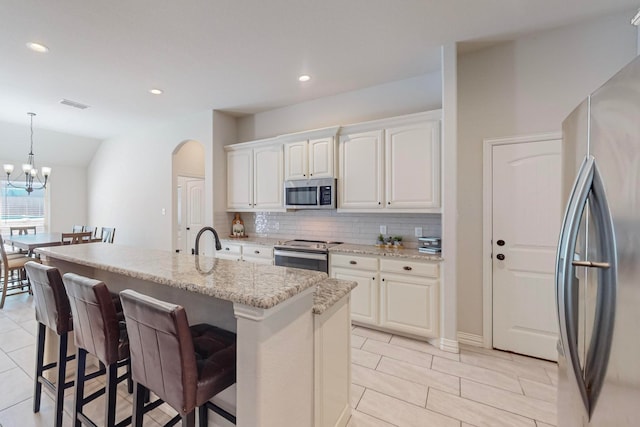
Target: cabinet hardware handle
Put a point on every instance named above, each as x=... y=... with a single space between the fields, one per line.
x=373 y=278
x=226 y=249
x=501 y=257
x=591 y=264
x=310 y=174
x=383 y=279
x=406 y=267
x=256 y=252
x=388 y=203
x=353 y=262
x=379 y=203
x=304 y=174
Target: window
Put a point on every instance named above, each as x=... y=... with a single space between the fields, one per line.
x=18 y=208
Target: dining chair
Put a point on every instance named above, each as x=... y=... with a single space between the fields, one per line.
x=75 y=238
x=20 y=231
x=77 y=229
x=91 y=229
x=15 y=284
x=108 y=234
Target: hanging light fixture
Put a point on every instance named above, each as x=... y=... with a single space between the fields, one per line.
x=29 y=171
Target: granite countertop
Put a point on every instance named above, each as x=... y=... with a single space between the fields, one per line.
x=253 y=240
x=330 y=291
x=256 y=285
x=407 y=253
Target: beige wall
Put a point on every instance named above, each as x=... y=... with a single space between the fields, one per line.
x=522 y=87
x=421 y=93
x=130 y=181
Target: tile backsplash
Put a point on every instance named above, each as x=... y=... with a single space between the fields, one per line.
x=357 y=228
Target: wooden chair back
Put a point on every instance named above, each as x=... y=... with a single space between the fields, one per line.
x=22 y=230
x=77 y=229
x=75 y=238
x=90 y=229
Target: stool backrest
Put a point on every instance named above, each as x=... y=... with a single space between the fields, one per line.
x=107 y=234
x=52 y=303
x=95 y=321
x=75 y=238
x=167 y=366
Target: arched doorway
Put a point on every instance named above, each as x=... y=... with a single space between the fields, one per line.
x=188 y=194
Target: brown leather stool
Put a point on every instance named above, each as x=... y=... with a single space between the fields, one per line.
x=53 y=312
x=184 y=366
x=97 y=331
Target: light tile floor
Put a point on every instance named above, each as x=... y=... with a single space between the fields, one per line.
x=396 y=381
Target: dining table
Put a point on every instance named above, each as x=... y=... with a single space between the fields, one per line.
x=29 y=242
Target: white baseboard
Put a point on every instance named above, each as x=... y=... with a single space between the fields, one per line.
x=449 y=345
x=470 y=339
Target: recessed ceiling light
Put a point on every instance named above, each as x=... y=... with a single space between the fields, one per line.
x=37 y=47
x=156 y=91
x=304 y=78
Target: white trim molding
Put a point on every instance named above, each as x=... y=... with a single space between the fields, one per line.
x=487 y=214
x=470 y=339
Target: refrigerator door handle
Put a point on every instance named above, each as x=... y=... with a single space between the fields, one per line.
x=566 y=282
x=604 y=319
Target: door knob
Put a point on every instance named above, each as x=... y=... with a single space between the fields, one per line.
x=500 y=257
x=500 y=242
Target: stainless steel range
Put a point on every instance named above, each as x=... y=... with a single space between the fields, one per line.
x=307 y=254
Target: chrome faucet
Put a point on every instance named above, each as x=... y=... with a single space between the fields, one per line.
x=215 y=234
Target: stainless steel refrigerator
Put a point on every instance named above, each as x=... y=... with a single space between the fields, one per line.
x=598 y=259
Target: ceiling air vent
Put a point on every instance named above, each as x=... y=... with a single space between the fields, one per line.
x=73 y=104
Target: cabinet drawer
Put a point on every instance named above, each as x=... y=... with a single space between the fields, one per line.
x=409 y=267
x=257 y=251
x=356 y=262
x=230 y=249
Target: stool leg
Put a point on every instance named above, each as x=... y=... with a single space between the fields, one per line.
x=203 y=416
x=139 y=397
x=189 y=420
x=37 y=389
x=81 y=361
x=111 y=391
x=62 y=374
x=129 y=379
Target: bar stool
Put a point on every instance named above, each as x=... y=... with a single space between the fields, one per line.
x=53 y=312
x=97 y=331
x=184 y=366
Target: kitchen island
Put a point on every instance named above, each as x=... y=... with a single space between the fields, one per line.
x=290 y=325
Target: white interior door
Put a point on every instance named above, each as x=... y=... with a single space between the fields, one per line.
x=194 y=202
x=526 y=208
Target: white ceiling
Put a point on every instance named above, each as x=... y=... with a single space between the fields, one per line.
x=242 y=56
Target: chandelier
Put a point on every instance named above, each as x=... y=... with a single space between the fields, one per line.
x=29 y=171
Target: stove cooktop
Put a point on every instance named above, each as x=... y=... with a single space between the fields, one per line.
x=319 y=245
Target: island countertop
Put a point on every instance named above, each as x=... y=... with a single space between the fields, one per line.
x=256 y=285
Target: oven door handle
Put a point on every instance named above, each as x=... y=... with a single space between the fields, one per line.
x=304 y=255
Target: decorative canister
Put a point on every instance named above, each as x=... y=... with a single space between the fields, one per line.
x=237 y=226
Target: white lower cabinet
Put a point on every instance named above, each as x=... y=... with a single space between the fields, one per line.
x=230 y=251
x=260 y=254
x=397 y=295
x=257 y=253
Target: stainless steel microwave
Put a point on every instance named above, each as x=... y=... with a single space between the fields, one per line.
x=310 y=194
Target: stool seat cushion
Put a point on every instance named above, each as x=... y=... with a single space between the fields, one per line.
x=215 y=351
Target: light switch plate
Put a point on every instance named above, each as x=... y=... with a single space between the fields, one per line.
x=417 y=231
x=383 y=229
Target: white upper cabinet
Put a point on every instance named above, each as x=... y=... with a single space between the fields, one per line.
x=361 y=171
x=254 y=177
x=391 y=164
x=240 y=179
x=309 y=159
x=412 y=166
x=296 y=160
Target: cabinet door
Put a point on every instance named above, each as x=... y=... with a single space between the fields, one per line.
x=295 y=160
x=364 y=297
x=361 y=171
x=409 y=304
x=412 y=165
x=321 y=158
x=268 y=183
x=240 y=179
